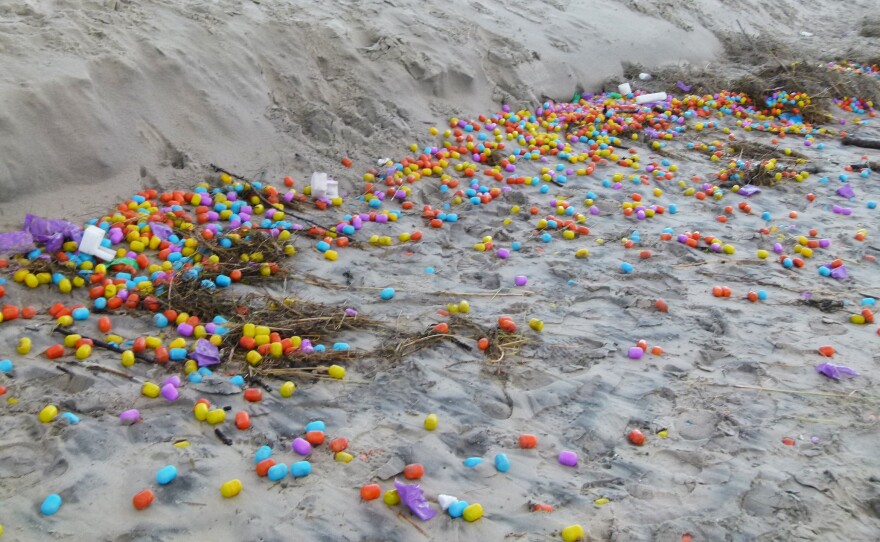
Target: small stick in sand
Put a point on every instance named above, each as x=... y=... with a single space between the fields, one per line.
x=226 y=440
x=850 y=395
x=406 y=519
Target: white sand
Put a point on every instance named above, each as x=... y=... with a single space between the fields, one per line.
x=101 y=99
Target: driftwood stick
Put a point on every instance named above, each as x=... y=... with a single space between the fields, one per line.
x=861 y=142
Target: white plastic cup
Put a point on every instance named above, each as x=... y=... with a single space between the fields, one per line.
x=91 y=244
x=653 y=97
x=319 y=184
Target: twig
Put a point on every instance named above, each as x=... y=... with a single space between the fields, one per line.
x=861 y=142
x=104 y=345
x=850 y=395
x=406 y=519
x=226 y=440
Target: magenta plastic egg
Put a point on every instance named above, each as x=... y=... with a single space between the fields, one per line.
x=568 y=458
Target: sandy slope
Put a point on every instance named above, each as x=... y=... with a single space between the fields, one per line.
x=116 y=94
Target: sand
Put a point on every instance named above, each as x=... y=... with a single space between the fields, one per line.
x=102 y=99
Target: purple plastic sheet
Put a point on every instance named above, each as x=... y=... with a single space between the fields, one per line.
x=835 y=371
x=160 y=230
x=846 y=191
x=414 y=498
x=839 y=272
x=51 y=232
x=16 y=242
x=684 y=86
x=749 y=190
x=205 y=353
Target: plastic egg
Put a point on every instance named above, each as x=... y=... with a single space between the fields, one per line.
x=277 y=472
x=573 y=533
x=287 y=389
x=128 y=358
x=472 y=512
x=431 y=422
x=215 y=416
x=343 y=457
x=387 y=293
x=24 y=346
x=151 y=390
x=166 y=475
x=301 y=469
x=231 y=488
x=568 y=458
x=391 y=497
x=301 y=446
x=143 y=499
x=48 y=413
x=263 y=453
x=336 y=371
x=83 y=352
x=51 y=504
x=456 y=509
x=502 y=463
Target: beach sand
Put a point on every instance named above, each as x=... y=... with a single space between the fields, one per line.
x=104 y=99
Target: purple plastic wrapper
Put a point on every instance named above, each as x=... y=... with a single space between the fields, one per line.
x=205 y=353
x=414 y=498
x=684 y=86
x=835 y=371
x=51 y=232
x=846 y=191
x=160 y=230
x=748 y=190
x=839 y=272
x=16 y=242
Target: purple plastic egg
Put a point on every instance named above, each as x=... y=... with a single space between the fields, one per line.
x=169 y=392
x=301 y=446
x=130 y=416
x=568 y=458
x=185 y=329
x=635 y=352
x=503 y=253
x=520 y=280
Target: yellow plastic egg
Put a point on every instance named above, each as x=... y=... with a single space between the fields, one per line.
x=343 y=457
x=127 y=358
x=48 y=413
x=287 y=389
x=536 y=324
x=150 y=390
x=231 y=488
x=215 y=416
x=473 y=512
x=573 y=533
x=83 y=352
x=200 y=411
x=24 y=346
x=336 y=371
x=431 y=422
x=391 y=497
x=253 y=357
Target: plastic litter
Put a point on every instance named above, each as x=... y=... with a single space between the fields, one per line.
x=835 y=372
x=413 y=496
x=91 y=244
